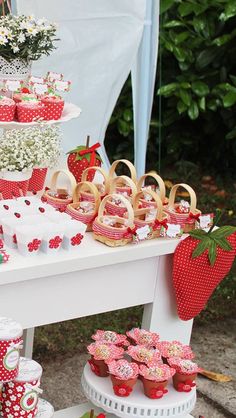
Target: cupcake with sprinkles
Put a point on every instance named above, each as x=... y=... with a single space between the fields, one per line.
x=186 y=373
x=101 y=354
x=123 y=376
x=110 y=337
x=142 y=337
x=155 y=379
x=143 y=355
x=29 y=110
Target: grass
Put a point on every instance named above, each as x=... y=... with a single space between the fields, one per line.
x=72 y=336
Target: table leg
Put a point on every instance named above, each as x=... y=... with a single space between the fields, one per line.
x=28 y=338
x=161 y=315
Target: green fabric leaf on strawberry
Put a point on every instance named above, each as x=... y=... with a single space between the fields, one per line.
x=201 y=262
x=92 y=415
x=81 y=158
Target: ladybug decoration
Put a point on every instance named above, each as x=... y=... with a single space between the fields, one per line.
x=83 y=157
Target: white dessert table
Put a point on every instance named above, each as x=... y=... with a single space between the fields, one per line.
x=92 y=279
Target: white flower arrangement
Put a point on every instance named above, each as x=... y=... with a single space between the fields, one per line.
x=25 y=149
x=25 y=37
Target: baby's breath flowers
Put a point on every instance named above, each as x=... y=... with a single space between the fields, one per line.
x=24 y=149
x=25 y=37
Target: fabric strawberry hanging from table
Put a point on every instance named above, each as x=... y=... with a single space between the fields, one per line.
x=201 y=262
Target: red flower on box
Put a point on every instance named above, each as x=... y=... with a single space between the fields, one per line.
x=122 y=390
x=34 y=245
x=76 y=240
x=55 y=242
x=94 y=367
x=186 y=386
x=1 y=241
x=157 y=393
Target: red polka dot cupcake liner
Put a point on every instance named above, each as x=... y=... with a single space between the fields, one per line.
x=7 y=113
x=53 y=110
x=27 y=114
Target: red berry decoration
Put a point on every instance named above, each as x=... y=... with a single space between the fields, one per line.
x=42 y=210
x=25 y=90
x=27 y=202
x=201 y=261
x=17 y=215
x=6 y=207
x=83 y=157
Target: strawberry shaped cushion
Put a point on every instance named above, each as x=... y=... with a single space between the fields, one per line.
x=201 y=261
x=92 y=415
x=83 y=157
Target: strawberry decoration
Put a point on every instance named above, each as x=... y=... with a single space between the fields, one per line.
x=83 y=157
x=201 y=261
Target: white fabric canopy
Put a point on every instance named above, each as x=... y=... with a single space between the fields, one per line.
x=99 y=43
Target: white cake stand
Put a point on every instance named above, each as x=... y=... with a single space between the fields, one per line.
x=70 y=111
x=99 y=391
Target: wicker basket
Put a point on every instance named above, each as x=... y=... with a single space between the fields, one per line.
x=53 y=195
x=120 y=188
x=160 y=184
x=122 y=230
x=126 y=186
x=140 y=214
x=88 y=196
x=186 y=220
x=73 y=208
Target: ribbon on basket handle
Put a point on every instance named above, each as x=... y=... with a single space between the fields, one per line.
x=17 y=346
x=158 y=224
x=192 y=194
x=34 y=388
x=91 y=150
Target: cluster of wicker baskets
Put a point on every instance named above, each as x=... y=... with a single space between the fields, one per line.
x=120 y=209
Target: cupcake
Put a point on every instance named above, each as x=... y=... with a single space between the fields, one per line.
x=123 y=376
x=24 y=94
x=155 y=379
x=143 y=337
x=143 y=355
x=174 y=349
x=30 y=110
x=54 y=106
x=7 y=109
x=110 y=337
x=186 y=373
x=101 y=354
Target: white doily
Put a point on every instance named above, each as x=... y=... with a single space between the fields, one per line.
x=15 y=69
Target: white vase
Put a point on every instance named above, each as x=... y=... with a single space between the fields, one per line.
x=15 y=69
x=16 y=175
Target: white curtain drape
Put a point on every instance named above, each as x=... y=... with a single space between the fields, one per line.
x=99 y=41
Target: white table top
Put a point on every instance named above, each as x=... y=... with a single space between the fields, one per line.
x=90 y=254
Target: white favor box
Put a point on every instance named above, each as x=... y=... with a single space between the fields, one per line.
x=29 y=238
x=58 y=217
x=52 y=237
x=73 y=235
x=9 y=225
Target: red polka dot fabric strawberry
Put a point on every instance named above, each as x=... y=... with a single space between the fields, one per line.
x=83 y=157
x=201 y=262
x=91 y=414
x=20 y=396
x=10 y=342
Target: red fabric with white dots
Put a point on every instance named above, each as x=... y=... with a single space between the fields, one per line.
x=53 y=110
x=37 y=180
x=195 y=279
x=7 y=113
x=5 y=374
x=77 y=167
x=11 y=189
x=12 y=397
x=29 y=114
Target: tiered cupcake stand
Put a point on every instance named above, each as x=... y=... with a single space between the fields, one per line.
x=99 y=391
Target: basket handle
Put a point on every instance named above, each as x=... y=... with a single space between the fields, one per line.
x=82 y=187
x=159 y=208
x=192 y=194
x=124 y=179
x=69 y=176
x=130 y=219
x=104 y=174
x=159 y=181
x=128 y=164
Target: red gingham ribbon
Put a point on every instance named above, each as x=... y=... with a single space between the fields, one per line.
x=130 y=231
x=194 y=216
x=157 y=224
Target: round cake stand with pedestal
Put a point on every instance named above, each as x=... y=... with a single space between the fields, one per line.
x=100 y=392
